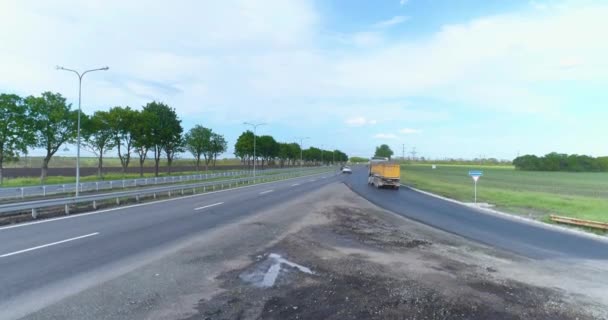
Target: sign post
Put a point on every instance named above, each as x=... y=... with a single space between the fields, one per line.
x=475 y=174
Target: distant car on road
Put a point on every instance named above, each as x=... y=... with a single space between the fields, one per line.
x=347 y=170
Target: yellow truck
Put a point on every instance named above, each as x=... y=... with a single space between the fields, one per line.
x=384 y=173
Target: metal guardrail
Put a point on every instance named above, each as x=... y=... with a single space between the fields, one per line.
x=55 y=189
x=33 y=206
x=580 y=222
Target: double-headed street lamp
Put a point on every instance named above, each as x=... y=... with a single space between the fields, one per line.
x=255 y=127
x=80 y=75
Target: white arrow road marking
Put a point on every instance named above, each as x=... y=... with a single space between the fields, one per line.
x=48 y=245
x=211 y=205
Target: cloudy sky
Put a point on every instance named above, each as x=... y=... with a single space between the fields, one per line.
x=457 y=78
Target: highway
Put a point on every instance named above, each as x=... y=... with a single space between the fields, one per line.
x=516 y=236
x=47 y=253
x=39 y=254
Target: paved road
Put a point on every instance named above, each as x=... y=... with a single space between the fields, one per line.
x=39 y=254
x=516 y=236
x=46 y=254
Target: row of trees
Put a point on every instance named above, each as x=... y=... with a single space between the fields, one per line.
x=268 y=150
x=48 y=122
x=561 y=162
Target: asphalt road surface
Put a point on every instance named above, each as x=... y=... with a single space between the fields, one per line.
x=37 y=259
x=516 y=236
x=43 y=261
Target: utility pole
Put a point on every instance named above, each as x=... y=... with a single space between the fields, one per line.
x=301 y=149
x=413 y=153
x=403 y=152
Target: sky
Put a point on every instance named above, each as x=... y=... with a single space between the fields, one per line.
x=457 y=78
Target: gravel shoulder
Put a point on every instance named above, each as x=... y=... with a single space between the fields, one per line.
x=333 y=255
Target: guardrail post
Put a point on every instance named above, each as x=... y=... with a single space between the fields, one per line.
x=123 y=183
x=169 y=193
x=110 y=185
x=67 y=209
x=96 y=186
x=155 y=195
x=44 y=191
x=193 y=190
x=94 y=205
x=137 y=198
x=34 y=213
x=22 y=194
x=117 y=201
x=204 y=189
x=63 y=186
x=182 y=192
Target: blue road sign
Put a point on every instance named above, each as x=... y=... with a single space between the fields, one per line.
x=476 y=173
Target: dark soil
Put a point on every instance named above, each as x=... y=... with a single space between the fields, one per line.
x=356 y=287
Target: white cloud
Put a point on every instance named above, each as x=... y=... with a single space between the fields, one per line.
x=385 y=136
x=391 y=22
x=367 y=39
x=359 y=121
x=409 y=131
x=403 y=2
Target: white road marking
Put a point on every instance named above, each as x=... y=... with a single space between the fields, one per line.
x=312 y=180
x=80 y=215
x=295 y=184
x=209 y=206
x=48 y=245
x=323 y=177
x=267 y=191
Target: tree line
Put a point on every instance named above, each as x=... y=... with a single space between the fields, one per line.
x=268 y=150
x=561 y=162
x=48 y=122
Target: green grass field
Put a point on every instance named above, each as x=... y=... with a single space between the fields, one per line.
x=536 y=194
x=70 y=162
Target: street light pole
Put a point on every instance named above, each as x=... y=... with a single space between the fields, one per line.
x=255 y=127
x=301 y=149
x=80 y=75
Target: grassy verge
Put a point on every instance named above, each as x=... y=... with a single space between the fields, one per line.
x=35 y=181
x=534 y=194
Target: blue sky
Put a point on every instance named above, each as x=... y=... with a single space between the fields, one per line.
x=457 y=78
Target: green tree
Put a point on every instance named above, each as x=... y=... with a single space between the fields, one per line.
x=172 y=148
x=166 y=132
x=54 y=123
x=123 y=122
x=294 y=153
x=198 y=142
x=383 y=151
x=16 y=132
x=267 y=148
x=142 y=136
x=243 y=148
x=218 y=146
x=98 y=136
x=283 y=153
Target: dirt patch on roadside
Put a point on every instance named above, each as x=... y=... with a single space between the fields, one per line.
x=368 y=264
